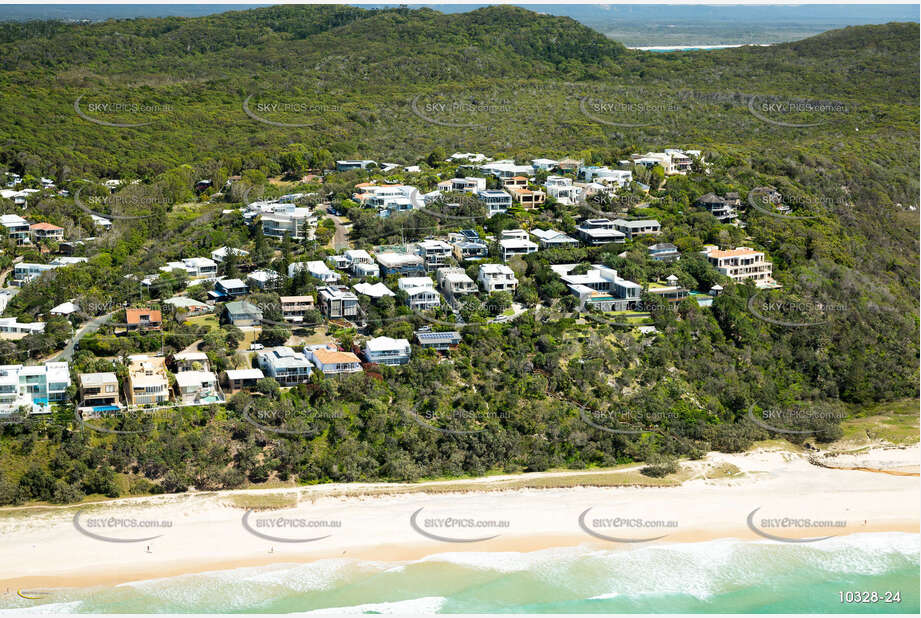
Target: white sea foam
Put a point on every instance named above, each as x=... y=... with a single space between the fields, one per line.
x=48 y=608
x=422 y=605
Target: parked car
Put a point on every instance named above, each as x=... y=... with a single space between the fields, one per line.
x=256 y=346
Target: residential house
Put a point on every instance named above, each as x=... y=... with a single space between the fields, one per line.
x=198 y=387
x=435 y=253
x=552 y=239
x=99 y=391
x=285 y=365
x=639 y=227
x=454 y=281
x=544 y=164
x=338 y=261
x=497 y=278
x=468 y=184
x=438 y=340
x=563 y=190
x=671 y=293
x=336 y=301
x=375 y=290
x=46 y=231
x=723 y=209
x=569 y=165
x=497 y=201
x=17 y=228
x=23 y=272
x=33 y=387
x=421 y=293
x=143 y=319
x=400 y=263
x=12 y=328
x=605 y=175
x=280 y=220
x=221 y=253
x=331 y=361
x=515 y=182
x=239 y=379
x=294 y=308
x=600 y=287
x=101 y=222
x=228 y=288
x=664 y=252
x=741 y=263
x=65 y=309
x=190 y=361
x=263 y=280
x=196 y=267
x=528 y=198
x=515 y=242
x=188 y=306
x=147 y=380
x=468 y=157
x=242 y=313
x=344 y=166
x=316 y=269
x=361 y=263
x=387 y=351
x=599 y=232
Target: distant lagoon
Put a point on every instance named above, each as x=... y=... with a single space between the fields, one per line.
x=696 y=47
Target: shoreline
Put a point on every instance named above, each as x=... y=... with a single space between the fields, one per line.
x=209 y=531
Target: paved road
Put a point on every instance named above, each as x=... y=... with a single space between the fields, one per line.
x=341 y=237
x=92 y=326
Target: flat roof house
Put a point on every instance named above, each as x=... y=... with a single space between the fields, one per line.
x=17 y=228
x=190 y=361
x=600 y=287
x=639 y=227
x=99 y=390
x=497 y=201
x=438 y=340
x=336 y=301
x=285 y=365
x=41 y=385
x=143 y=319
x=317 y=269
x=387 y=351
x=294 y=308
x=435 y=253
x=470 y=250
x=346 y=165
x=333 y=362
x=454 y=280
x=147 y=381
x=242 y=313
x=741 y=263
x=12 y=328
x=198 y=387
x=400 y=263
x=23 y=272
x=528 y=198
x=239 y=379
x=497 y=278
x=600 y=232
x=664 y=252
x=509 y=247
x=420 y=291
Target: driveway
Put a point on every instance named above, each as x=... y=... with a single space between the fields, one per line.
x=67 y=354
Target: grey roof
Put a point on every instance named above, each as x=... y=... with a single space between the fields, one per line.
x=451 y=336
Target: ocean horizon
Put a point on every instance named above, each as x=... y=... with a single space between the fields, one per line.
x=719 y=576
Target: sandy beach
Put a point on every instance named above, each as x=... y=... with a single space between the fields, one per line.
x=875 y=491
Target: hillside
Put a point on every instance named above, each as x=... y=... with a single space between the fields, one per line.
x=831 y=122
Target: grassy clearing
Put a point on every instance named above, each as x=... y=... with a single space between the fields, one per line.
x=894 y=422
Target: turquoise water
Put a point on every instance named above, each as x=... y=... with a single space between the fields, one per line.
x=717 y=576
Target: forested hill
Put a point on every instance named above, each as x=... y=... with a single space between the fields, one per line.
x=357 y=71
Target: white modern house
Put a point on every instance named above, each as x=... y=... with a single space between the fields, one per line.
x=600 y=232
x=198 y=387
x=638 y=227
x=316 y=268
x=220 y=254
x=336 y=301
x=387 y=351
x=515 y=242
x=435 y=253
x=544 y=164
x=421 y=293
x=600 y=287
x=375 y=290
x=12 y=328
x=195 y=267
x=33 y=387
x=497 y=278
x=496 y=201
x=285 y=365
x=563 y=190
x=455 y=281
x=263 y=280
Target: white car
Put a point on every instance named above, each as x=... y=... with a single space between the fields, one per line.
x=256 y=346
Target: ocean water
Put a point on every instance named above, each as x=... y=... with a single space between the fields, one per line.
x=715 y=576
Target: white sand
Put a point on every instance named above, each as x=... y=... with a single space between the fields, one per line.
x=43 y=548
